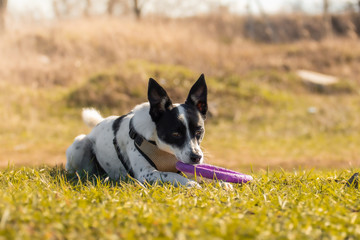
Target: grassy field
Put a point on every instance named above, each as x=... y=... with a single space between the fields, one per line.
x=44 y=203
x=299 y=143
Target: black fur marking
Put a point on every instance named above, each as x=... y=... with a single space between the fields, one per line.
x=169 y=124
x=125 y=163
x=108 y=164
x=165 y=175
x=77 y=147
x=116 y=124
x=198 y=96
x=98 y=170
x=158 y=99
x=195 y=123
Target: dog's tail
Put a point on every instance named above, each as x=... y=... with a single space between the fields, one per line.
x=91 y=117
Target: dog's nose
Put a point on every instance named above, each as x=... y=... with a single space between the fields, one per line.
x=195 y=158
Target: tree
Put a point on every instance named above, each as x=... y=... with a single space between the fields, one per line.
x=3 y=5
x=137 y=9
x=110 y=6
x=327 y=19
x=124 y=4
x=87 y=8
x=69 y=8
x=61 y=8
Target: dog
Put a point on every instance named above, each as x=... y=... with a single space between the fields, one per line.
x=175 y=130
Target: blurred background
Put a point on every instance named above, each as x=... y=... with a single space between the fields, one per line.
x=283 y=76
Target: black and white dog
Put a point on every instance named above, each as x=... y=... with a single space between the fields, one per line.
x=176 y=129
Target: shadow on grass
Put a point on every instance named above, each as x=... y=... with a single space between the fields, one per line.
x=60 y=174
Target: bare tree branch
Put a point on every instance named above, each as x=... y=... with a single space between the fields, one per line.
x=137 y=9
x=3 y=5
x=87 y=8
x=110 y=6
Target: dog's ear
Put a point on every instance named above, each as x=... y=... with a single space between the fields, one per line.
x=198 y=96
x=158 y=99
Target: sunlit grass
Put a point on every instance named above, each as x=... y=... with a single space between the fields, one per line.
x=45 y=203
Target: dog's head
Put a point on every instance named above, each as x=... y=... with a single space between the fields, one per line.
x=180 y=127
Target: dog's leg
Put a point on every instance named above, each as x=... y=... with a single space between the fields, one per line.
x=151 y=175
x=80 y=156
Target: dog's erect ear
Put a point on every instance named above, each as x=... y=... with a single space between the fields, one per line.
x=158 y=99
x=198 y=96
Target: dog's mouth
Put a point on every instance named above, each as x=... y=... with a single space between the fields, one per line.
x=192 y=161
x=188 y=162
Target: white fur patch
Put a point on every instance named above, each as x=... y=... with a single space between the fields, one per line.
x=182 y=117
x=91 y=117
x=142 y=121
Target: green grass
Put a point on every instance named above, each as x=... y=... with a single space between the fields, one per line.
x=44 y=203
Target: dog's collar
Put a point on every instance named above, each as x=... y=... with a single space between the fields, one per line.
x=159 y=159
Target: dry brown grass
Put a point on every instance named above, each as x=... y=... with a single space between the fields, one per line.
x=63 y=52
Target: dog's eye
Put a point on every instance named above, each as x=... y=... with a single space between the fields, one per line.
x=198 y=133
x=176 y=135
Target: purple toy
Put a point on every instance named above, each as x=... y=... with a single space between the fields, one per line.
x=212 y=172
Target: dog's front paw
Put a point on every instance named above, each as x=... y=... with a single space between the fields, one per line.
x=226 y=186
x=192 y=184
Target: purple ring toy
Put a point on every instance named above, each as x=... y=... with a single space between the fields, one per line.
x=213 y=172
